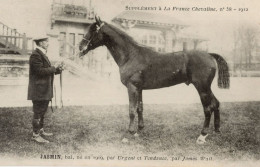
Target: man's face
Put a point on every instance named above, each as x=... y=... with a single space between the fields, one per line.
x=44 y=44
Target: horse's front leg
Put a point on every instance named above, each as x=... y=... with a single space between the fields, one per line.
x=134 y=106
x=140 y=111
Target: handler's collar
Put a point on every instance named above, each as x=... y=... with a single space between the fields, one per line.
x=41 y=49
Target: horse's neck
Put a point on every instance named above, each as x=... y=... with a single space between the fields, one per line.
x=119 y=48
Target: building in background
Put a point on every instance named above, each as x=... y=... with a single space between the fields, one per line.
x=15 y=48
x=159 y=32
x=69 y=22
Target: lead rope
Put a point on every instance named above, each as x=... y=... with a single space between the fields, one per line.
x=61 y=90
x=51 y=106
x=55 y=98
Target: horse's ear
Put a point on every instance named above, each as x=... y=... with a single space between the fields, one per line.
x=97 y=20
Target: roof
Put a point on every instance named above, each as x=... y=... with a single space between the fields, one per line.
x=152 y=18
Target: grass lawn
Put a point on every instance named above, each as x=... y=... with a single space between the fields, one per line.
x=170 y=131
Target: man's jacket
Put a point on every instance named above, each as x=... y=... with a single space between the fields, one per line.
x=41 y=75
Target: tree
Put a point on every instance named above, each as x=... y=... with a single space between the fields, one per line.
x=245 y=41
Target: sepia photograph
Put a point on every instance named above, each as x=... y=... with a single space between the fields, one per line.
x=141 y=83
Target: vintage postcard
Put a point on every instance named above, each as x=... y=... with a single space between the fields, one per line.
x=129 y=83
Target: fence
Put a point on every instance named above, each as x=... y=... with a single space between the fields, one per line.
x=14 y=42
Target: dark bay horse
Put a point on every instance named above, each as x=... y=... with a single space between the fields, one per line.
x=142 y=68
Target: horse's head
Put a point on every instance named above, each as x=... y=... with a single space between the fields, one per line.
x=93 y=39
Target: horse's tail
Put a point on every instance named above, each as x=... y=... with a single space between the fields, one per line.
x=223 y=72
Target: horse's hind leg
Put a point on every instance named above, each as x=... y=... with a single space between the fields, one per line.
x=215 y=106
x=209 y=104
x=206 y=102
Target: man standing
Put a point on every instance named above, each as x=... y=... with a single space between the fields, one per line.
x=40 y=89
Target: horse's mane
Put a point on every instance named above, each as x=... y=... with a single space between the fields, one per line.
x=130 y=39
x=127 y=37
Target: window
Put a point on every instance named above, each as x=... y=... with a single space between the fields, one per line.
x=62 y=40
x=161 y=41
x=153 y=48
x=62 y=36
x=144 y=40
x=174 y=43
x=72 y=43
x=80 y=37
x=152 y=39
x=162 y=50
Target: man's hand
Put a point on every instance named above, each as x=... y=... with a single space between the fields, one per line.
x=59 y=66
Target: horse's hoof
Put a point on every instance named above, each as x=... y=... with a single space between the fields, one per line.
x=217 y=132
x=141 y=127
x=136 y=135
x=200 y=142
x=125 y=140
x=201 y=139
x=131 y=130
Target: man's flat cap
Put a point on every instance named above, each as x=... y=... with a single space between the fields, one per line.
x=40 y=38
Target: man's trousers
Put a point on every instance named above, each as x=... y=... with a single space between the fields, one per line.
x=39 y=110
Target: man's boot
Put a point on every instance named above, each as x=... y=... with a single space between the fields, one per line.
x=42 y=132
x=36 y=137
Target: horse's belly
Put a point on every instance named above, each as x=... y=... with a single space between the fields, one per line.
x=160 y=81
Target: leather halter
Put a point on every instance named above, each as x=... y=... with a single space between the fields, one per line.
x=89 y=40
